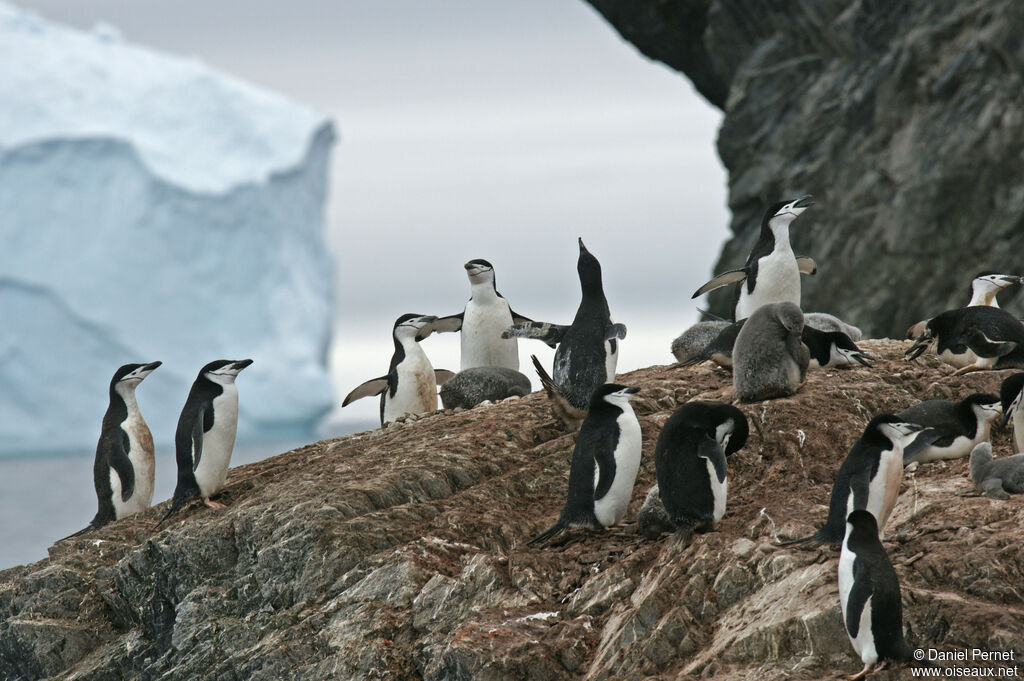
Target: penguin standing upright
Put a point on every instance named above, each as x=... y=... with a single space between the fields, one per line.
x=604 y=463
x=771 y=273
x=587 y=351
x=869 y=593
x=205 y=435
x=410 y=386
x=960 y=426
x=869 y=477
x=690 y=460
x=1011 y=396
x=124 y=466
x=482 y=322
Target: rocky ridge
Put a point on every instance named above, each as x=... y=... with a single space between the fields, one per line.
x=904 y=120
x=399 y=554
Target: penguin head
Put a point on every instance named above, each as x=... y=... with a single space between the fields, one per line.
x=893 y=428
x=224 y=371
x=589 y=270
x=986 y=285
x=413 y=326
x=862 y=523
x=479 y=271
x=789 y=317
x=614 y=394
x=733 y=430
x=130 y=375
x=1011 y=394
x=784 y=212
x=985 y=407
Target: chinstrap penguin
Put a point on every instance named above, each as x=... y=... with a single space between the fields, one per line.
x=997 y=478
x=690 y=461
x=959 y=425
x=973 y=339
x=771 y=273
x=984 y=288
x=869 y=477
x=410 y=386
x=604 y=463
x=587 y=351
x=769 y=358
x=124 y=466
x=470 y=387
x=205 y=436
x=1011 y=396
x=482 y=322
x=869 y=593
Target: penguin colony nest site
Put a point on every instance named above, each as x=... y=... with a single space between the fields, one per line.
x=401 y=553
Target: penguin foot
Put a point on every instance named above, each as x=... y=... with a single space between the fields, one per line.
x=213 y=504
x=868 y=668
x=967 y=369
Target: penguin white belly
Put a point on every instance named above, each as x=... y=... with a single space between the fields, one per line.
x=777 y=281
x=1018 y=431
x=611 y=360
x=417 y=386
x=140 y=453
x=719 y=490
x=958 y=361
x=885 y=487
x=218 y=443
x=481 y=341
x=611 y=508
x=863 y=641
x=959 y=448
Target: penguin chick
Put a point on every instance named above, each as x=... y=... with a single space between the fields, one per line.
x=997 y=478
x=769 y=359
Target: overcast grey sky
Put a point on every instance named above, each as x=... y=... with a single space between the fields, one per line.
x=497 y=129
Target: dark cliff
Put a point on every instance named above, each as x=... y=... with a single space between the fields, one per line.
x=399 y=554
x=904 y=119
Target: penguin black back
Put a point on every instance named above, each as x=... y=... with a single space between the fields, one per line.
x=197 y=404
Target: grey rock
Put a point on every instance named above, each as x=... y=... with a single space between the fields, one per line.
x=470 y=387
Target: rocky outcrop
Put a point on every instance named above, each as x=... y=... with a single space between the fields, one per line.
x=905 y=120
x=399 y=554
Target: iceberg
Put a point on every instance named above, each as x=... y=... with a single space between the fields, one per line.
x=152 y=209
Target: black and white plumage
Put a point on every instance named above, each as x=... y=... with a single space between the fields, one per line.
x=470 y=387
x=959 y=426
x=769 y=358
x=997 y=478
x=869 y=477
x=486 y=316
x=604 y=463
x=983 y=290
x=124 y=466
x=587 y=352
x=869 y=593
x=410 y=386
x=1011 y=397
x=205 y=436
x=771 y=273
x=973 y=339
x=690 y=461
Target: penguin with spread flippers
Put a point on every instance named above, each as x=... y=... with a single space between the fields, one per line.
x=869 y=593
x=997 y=478
x=410 y=386
x=973 y=339
x=771 y=273
x=482 y=322
x=1011 y=397
x=205 y=436
x=587 y=350
x=869 y=477
x=604 y=463
x=124 y=466
x=690 y=461
x=960 y=426
x=769 y=358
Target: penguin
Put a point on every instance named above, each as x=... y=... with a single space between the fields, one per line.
x=206 y=434
x=984 y=288
x=690 y=461
x=1011 y=397
x=124 y=466
x=960 y=425
x=410 y=386
x=604 y=463
x=822 y=321
x=692 y=342
x=869 y=593
x=719 y=349
x=587 y=350
x=470 y=387
x=996 y=478
x=973 y=339
x=869 y=477
x=771 y=273
x=769 y=359
x=486 y=316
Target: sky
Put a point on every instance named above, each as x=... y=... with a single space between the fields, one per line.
x=474 y=129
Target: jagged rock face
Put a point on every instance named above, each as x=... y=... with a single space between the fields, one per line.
x=399 y=554
x=905 y=120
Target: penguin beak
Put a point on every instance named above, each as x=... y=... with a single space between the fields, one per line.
x=804 y=202
x=241 y=364
x=151 y=366
x=631 y=390
x=583 y=249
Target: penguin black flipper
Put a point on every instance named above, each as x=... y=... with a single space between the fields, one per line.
x=604 y=458
x=806 y=265
x=859 y=595
x=441 y=376
x=120 y=462
x=375 y=386
x=518 y=318
x=615 y=331
x=445 y=324
x=199 y=426
x=926 y=438
x=551 y=334
x=983 y=346
x=723 y=279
